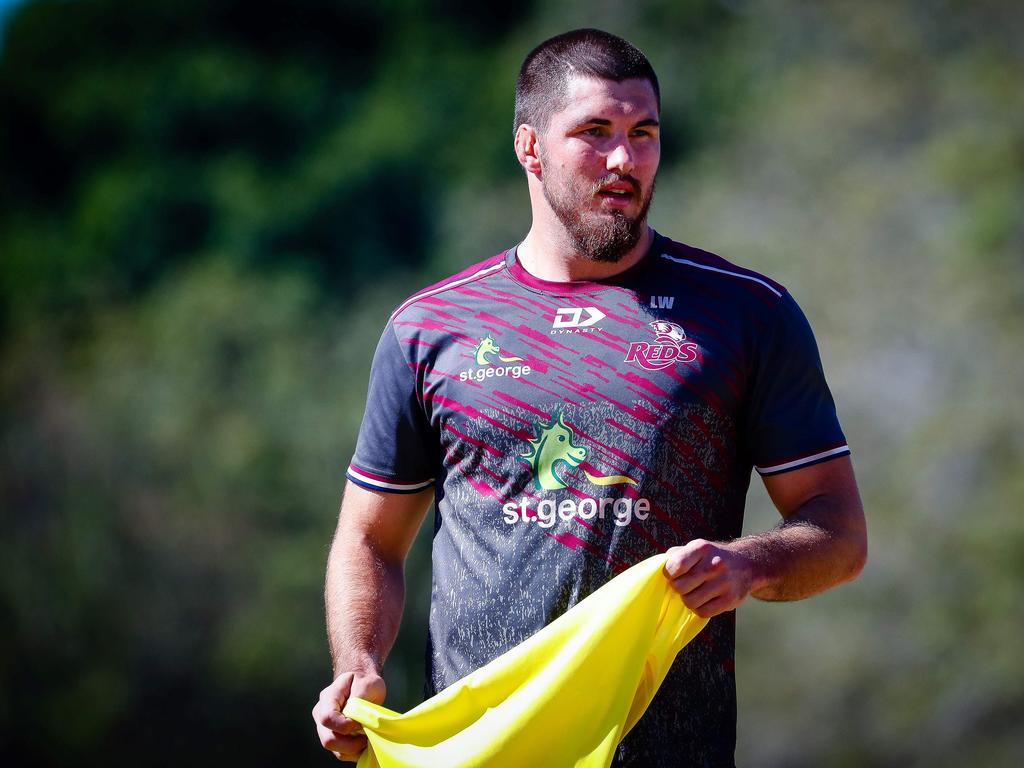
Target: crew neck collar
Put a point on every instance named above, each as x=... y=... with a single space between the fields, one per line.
x=521 y=275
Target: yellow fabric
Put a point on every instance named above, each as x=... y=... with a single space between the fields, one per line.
x=564 y=697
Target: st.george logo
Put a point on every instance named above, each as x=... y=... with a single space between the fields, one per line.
x=487 y=355
x=488 y=347
x=554 y=445
x=552 y=451
x=670 y=346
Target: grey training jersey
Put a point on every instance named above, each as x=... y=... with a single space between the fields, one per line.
x=570 y=430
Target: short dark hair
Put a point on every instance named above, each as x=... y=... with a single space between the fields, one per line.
x=541 y=85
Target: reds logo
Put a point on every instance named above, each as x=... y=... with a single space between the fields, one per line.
x=669 y=346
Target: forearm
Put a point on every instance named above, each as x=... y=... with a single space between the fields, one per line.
x=821 y=543
x=364 y=597
x=806 y=554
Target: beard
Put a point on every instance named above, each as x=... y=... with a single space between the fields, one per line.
x=604 y=237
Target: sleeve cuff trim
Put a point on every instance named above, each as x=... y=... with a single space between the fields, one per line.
x=842 y=450
x=379 y=482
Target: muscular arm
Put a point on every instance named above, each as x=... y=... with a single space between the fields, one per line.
x=364 y=597
x=365 y=588
x=822 y=539
x=821 y=542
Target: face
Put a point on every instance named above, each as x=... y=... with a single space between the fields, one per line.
x=599 y=158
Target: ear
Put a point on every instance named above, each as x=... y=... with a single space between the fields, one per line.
x=526 y=149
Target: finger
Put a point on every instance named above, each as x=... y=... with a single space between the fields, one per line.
x=349 y=728
x=699 y=574
x=689 y=581
x=333 y=720
x=327 y=711
x=682 y=559
x=340 y=689
x=333 y=697
x=702 y=595
x=345 y=747
x=714 y=607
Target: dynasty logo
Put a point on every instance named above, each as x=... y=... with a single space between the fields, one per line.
x=670 y=346
x=577 y=320
x=554 y=448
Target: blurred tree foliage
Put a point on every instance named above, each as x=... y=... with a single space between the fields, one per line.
x=207 y=210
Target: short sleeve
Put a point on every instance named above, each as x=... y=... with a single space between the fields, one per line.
x=394 y=451
x=791 y=421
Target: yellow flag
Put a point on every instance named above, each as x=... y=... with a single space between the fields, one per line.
x=564 y=698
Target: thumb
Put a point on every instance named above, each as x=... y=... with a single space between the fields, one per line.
x=369 y=688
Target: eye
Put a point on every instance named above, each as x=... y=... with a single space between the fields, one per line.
x=561 y=438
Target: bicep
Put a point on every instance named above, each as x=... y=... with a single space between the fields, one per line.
x=386 y=522
x=825 y=494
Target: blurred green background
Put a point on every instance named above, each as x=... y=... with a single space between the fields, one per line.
x=208 y=210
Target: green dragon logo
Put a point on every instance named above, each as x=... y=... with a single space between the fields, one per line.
x=553 y=444
x=487 y=347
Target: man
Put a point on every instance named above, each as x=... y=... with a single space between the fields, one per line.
x=589 y=398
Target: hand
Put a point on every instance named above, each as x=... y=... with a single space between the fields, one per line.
x=338 y=733
x=711 y=578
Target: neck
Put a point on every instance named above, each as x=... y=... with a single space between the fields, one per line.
x=551 y=256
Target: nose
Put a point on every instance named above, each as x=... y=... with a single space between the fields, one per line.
x=620 y=159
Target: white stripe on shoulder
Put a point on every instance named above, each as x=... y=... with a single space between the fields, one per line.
x=357 y=475
x=805 y=460
x=722 y=271
x=454 y=284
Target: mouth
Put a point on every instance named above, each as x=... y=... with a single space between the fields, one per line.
x=619 y=193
